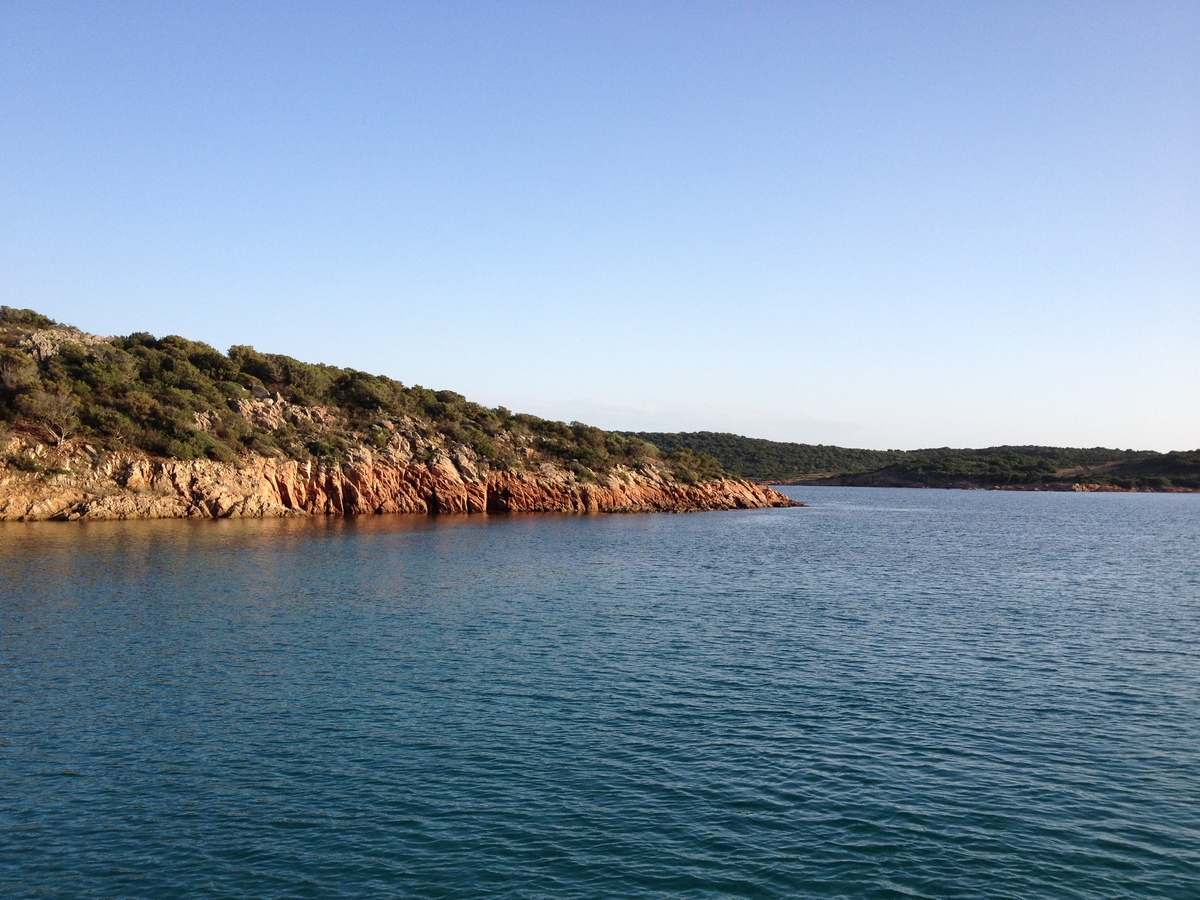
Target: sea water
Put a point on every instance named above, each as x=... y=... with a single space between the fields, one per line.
x=888 y=693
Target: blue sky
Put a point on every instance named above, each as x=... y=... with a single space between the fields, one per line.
x=872 y=224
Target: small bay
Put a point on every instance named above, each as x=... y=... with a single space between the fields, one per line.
x=888 y=693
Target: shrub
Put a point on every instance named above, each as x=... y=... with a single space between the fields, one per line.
x=24 y=462
x=690 y=467
x=25 y=317
x=56 y=412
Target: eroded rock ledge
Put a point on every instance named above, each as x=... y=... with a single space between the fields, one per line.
x=129 y=486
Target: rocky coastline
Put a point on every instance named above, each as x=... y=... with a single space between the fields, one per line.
x=86 y=484
x=139 y=427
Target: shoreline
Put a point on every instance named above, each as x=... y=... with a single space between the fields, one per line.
x=134 y=486
x=1060 y=487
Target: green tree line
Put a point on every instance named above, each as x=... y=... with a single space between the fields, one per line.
x=779 y=461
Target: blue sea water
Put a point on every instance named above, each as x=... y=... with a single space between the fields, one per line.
x=886 y=694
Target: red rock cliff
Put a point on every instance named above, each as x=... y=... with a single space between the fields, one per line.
x=126 y=486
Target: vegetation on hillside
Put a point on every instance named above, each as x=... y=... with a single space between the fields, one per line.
x=940 y=467
x=1177 y=469
x=178 y=398
x=771 y=460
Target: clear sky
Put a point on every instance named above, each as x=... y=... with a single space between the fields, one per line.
x=873 y=224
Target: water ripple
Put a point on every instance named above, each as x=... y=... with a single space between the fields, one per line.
x=886 y=694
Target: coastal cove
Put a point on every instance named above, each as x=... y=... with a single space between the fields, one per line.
x=948 y=693
x=647 y=451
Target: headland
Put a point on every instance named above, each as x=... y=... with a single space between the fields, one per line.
x=98 y=427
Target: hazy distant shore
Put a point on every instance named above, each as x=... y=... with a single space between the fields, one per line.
x=871 y=480
x=1018 y=468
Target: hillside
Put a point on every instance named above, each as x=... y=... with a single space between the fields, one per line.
x=1027 y=467
x=81 y=412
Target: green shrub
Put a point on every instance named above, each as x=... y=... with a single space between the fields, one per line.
x=25 y=317
x=220 y=452
x=24 y=462
x=690 y=467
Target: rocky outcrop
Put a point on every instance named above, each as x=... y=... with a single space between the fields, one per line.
x=273 y=412
x=46 y=342
x=129 y=486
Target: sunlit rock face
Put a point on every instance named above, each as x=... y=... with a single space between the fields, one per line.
x=125 y=486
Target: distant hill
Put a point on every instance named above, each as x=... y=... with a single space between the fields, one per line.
x=1008 y=466
x=771 y=460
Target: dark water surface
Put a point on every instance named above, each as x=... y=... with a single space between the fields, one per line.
x=888 y=694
